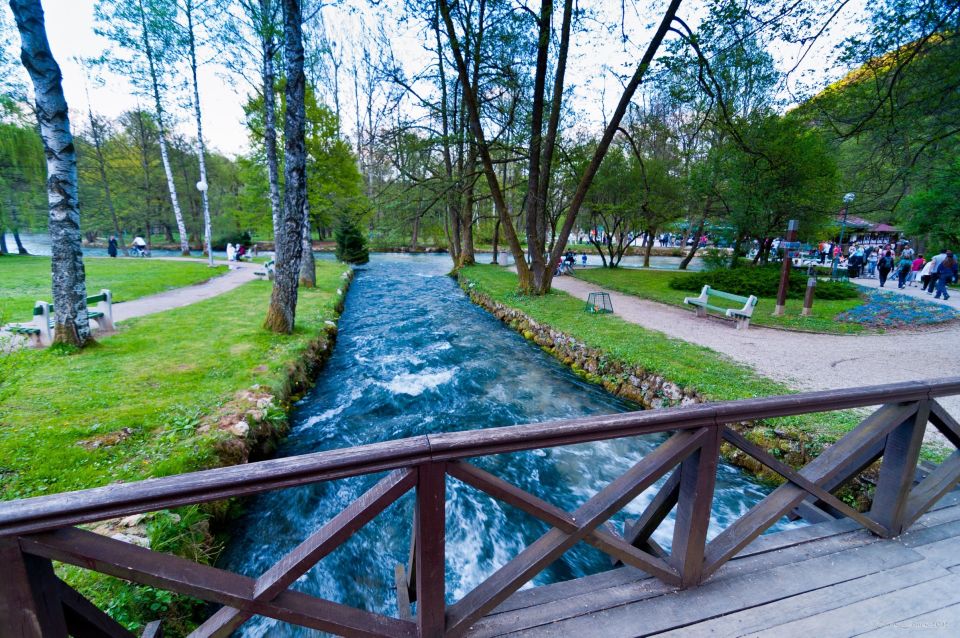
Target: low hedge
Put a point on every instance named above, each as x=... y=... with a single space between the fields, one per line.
x=762 y=281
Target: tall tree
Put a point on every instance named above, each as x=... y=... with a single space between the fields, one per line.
x=189 y=8
x=536 y=277
x=282 y=312
x=96 y=132
x=71 y=325
x=145 y=28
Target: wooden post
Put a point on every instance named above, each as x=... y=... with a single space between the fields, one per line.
x=900 y=455
x=29 y=595
x=698 y=476
x=788 y=243
x=430 y=533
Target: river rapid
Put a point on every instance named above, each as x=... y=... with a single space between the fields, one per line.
x=414 y=356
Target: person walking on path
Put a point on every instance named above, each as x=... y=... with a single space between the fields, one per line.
x=925 y=275
x=872 y=258
x=112 y=246
x=946 y=273
x=884 y=266
x=903 y=269
x=915 y=269
x=934 y=267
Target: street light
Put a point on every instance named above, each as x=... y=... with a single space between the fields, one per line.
x=847 y=200
x=208 y=239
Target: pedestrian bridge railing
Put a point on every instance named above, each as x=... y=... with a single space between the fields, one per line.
x=36 y=531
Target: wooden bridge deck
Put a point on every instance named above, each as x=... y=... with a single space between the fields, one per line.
x=828 y=579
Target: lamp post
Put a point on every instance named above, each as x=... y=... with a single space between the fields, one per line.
x=207 y=236
x=847 y=200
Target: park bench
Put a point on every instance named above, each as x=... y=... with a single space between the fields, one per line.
x=40 y=331
x=740 y=315
x=267 y=270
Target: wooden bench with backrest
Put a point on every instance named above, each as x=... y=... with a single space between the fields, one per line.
x=40 y=331
x=740 y=315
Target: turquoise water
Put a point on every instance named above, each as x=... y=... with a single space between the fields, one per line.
x=414 y=356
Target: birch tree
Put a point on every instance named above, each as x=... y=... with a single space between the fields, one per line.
x=142 y=27
x=251 y=32
x=281 y=314
x=189 y=8
x=71 y=325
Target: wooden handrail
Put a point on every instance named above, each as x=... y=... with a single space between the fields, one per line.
x=35 y=532
x=72 y=508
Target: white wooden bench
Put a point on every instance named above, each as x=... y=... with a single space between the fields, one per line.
x=40 y=330
x=740 y=315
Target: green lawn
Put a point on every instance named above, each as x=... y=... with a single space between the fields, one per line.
x=158 y=377
x=714 y=375
x=26 y=279
x=652 y=284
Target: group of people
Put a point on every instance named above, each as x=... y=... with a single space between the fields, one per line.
x=236 y=253
x=565 y=267
x=903 y=262
x=138 y=247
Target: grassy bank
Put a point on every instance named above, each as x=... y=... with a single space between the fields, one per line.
x=26 y=279
x=710 y=375
x=150 y=401
x=653 y=285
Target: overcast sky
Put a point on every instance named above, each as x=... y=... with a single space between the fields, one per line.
x=70 y=26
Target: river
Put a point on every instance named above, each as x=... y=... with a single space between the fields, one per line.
x=414 y=356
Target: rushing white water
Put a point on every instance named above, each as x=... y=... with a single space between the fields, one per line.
x=415 y=356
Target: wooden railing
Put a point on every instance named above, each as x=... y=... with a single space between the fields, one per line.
x=34 y=532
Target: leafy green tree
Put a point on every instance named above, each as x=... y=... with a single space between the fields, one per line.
x=23 y=173
x=934 y=210
x=351 y=244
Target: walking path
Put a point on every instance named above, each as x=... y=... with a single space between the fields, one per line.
x=239 y=274
x=804 y=361
x=910 y=291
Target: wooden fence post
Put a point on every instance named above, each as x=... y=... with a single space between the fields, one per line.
x=29 y=595
x=698 y=476
x=900 y=455
x=430 y=532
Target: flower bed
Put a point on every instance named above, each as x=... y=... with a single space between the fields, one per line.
x=890 y=310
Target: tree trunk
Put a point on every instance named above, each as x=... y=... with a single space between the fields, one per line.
x=15 y=229
x=282 y=312
x=270 y=115
x=696 y=244
x=648 y=248
x=3 y=241
x=71 y=325
x=496 y=239
x=201 y=147
x=308 y=266
x=415 y=235
x=21 y=250
x=167 y=233
x=162 y=134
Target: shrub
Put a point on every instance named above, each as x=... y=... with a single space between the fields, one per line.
x=762 y=281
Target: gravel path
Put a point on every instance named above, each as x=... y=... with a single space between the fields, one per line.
x=239 y=274
x=803 y=361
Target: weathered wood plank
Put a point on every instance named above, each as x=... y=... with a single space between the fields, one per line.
x=403 y=592
x=698 y=476
x=19 y=612
x=153 y=630
x=757 y=620
x=728 y=595
x=304 y=556
x=945 y=553
x=54 y=511
x=553 y=603
x=845 y=454
x=658 y=509
x=900 y=455
x=85 y=620
x=940 y=481
x=139 y=565
x=945 y=422
x=878 y=611
x=430 y=523
x=799 y=480
x=551 y=545
x=941 y=623
x=606 y=540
